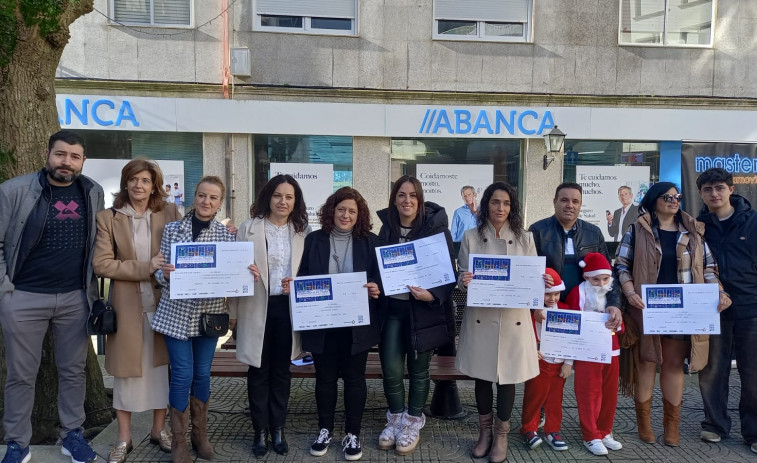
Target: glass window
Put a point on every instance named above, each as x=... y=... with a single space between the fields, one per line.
x=503 y=155
x=666 y=22
x=331 y=17
x=315 y=149
x=152 y=12
x=610 y=153
x=503 y=20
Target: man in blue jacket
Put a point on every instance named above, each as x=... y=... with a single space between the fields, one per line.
x=731 y=233
x=47 y=235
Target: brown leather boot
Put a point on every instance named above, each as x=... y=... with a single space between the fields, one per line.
x=644 y=420
x=199 y=413
x=179 y=425
x=498 y=452
x=484 y=442
x=670 y=420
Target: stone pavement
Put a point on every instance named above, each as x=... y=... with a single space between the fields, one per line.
x=441 y=441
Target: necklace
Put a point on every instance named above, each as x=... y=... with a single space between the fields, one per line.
x=335 y=256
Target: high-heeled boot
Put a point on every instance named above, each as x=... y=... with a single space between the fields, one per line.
x=201 y=444
x=498 y=452
x=179 y=425
x=671 y=418
x=484 y=442
x=644 y=420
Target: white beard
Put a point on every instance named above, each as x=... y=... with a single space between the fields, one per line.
x=595 y=297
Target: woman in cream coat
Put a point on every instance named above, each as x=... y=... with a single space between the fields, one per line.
x=515 y=359
x=265 y=340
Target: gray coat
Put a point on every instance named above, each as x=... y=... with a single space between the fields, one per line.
x=18 y=198
x=497 y=345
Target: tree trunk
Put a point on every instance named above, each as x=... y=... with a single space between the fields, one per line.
x=32 y=38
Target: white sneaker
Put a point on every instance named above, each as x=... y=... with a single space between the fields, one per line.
x=610 y=443
x=391 y=430
x=596 y=447
x=709 y=436
x=408 y=438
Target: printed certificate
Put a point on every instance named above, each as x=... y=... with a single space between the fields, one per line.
x=506 y=281
x=212 y=270
x=424 y=263
x=571 y=334
x=329 y=301
x=681 y=309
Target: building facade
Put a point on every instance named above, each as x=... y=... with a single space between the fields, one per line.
x=364 y=91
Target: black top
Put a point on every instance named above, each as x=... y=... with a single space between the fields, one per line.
x=198 y=226
x=668 y=273
x=55 y=263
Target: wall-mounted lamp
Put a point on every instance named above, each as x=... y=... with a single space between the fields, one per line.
x=554 y=140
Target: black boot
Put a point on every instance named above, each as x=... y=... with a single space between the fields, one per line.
x=280 y=445
x=260 y=444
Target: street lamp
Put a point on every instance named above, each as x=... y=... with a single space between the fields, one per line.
x=554 y=140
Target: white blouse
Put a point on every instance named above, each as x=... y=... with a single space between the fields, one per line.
x=279 y=243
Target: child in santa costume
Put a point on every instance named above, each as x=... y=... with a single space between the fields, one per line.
x=546 y=390
x=596 y=384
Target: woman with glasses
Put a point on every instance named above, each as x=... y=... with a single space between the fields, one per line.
x=664 y=246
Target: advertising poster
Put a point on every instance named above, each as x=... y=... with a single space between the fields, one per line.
x=107 y=172
x=606 y=207
x=316 y=181
x=442 y=184
x=740 y=159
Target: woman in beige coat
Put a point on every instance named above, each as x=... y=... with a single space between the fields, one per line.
x=496 y=345
x=265 y=340
x=127 y=251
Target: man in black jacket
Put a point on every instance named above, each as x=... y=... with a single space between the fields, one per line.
x=565 y=239
x=731 y=231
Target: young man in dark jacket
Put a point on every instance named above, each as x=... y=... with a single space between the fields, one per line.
x=730 y=231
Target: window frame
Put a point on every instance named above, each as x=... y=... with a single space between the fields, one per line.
x=528 y=29
x=664 y=43
x=306 y=28
x=113 y=22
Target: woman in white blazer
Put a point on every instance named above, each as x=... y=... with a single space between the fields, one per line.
x=265 y=340
x=497 y=346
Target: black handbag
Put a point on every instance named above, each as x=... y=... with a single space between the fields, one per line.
x=102 y=318
x=214 y=325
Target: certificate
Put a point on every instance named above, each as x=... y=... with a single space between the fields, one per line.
x=424 y=263
x=571 y=334
x=681 y=309
x=506 y=281
x=212 y=270
x=329 y=301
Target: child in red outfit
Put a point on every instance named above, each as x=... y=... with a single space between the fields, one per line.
x=596 y=384
x=546 y=389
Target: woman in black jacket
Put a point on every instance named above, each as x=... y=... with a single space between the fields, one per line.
x=344 y=244
x=416 y=322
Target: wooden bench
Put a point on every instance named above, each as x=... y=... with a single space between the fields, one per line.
x=226 y=364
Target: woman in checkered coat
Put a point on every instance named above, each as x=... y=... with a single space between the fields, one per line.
x=190 y=354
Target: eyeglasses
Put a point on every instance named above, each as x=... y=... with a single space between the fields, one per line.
x=670 y=198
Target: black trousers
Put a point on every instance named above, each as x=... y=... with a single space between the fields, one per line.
x=335 y=361
x=268 y=386
x=485 y=398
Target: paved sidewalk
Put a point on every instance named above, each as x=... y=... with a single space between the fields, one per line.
x=441 y=441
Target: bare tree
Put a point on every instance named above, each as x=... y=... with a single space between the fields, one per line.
x=32 y=37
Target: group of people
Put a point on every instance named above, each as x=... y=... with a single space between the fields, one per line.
x=56 y=215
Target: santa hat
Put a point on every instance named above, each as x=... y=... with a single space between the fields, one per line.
x=595 y=264
x=557 y=283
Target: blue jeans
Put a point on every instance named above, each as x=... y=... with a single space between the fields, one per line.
x=737 y=338
x=190 y=369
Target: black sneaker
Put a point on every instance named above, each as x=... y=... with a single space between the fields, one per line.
x=321 y=444
x=352 y=449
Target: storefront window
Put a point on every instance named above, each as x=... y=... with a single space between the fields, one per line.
x=446 y=166
x=614 y=176
x=161 y=146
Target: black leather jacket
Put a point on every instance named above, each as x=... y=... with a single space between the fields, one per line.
x=432 y=323
x=549 y=238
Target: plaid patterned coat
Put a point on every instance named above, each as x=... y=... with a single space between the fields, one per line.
x=180 y=318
